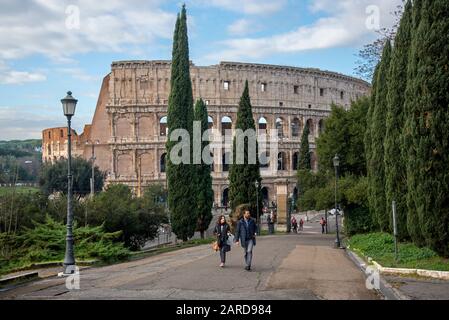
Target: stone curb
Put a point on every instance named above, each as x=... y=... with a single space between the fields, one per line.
x=441 y=275
x=385 y=289
x=11 y=280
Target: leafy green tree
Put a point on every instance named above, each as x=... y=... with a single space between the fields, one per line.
x=137 y=218
x=368 y=142
x=53 y=177
x=242 y=177
x=395 y=173
x=431 y=137
x=181 y=193
x=344 y=134
x=377 y=178
x=205 y=194
x=410 y=134
x=304 y=162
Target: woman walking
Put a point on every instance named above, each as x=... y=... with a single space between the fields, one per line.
x=222 y=232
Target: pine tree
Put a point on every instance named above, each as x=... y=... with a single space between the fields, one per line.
x=181 y=194
x=242 y=177
x=368 y=145
x=204 y=193
x=431 y=138
x=395 y=174
x=377 y=178
x=304 y=162
x=410 y=134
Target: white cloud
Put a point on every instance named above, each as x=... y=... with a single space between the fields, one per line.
x=243 y=27
x=39 y=27
x=254 y=7
x=14 y=77
x=21 y=122
x=344 y=24
x=79 y=74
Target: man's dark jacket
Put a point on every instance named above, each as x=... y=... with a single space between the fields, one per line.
x=244 y=233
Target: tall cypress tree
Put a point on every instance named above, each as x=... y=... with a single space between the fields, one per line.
x=181 y=195
x=204 y=192
x=431 y=107
x=304 y=155
x=368 y=145
x=395 y=175
x=410 y=134
x=242 y=177
x=377 y=180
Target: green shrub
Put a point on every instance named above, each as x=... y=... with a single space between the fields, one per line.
x=46 y=243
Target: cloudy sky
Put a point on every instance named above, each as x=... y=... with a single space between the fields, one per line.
x=50 y=46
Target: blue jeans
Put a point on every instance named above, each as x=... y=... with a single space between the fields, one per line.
x=249 y=252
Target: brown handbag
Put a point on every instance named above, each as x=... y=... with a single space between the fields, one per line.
x=215 y=246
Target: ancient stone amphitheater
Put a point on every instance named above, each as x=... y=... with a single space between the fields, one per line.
x=128 y=130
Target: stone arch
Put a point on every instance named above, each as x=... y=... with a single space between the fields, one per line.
x=321 y=126
x=262 y=125
x=162 y=163
x=226 y=161
x=295 y=161
x=282 y=161
x=225 y=197
x=210 y=122
x=163 y=128
x=226 y=124
x=296 y=126
x=310 y=125
x=279 y=125
x=265 y=196
x=264 y=159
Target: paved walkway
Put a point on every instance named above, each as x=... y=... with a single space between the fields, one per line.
x=296 y=266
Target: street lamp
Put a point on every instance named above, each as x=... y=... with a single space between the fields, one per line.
x=336 y=161
x=257 y=205
x=69 y=106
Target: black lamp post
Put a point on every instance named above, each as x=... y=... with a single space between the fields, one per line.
x=336 y=161
x=69 y=106
x=257 y=206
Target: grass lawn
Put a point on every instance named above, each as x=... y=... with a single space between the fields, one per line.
x=380 y=247
x=9 y=190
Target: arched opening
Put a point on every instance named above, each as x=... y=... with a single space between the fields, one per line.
x=282 y=161
x=162 y=162
x=225 y=198
x=212 y=163
x=264 y=160
x=226 y=125
x=163 y=128
x=295 y=161
x=321 y=126
x=226 y=161
x=310 y=125
x=280 y=127
x=262 y=125
x=295 y=127
x=265 y=196
x=210 y=122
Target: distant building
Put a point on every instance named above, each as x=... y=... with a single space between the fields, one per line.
x=129 y=126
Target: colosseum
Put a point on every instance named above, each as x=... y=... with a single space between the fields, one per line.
x=129 y=126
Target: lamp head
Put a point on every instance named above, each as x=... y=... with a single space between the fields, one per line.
x=69 y=105
x=336 y=161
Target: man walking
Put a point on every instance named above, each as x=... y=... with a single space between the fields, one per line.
x=245 y=235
